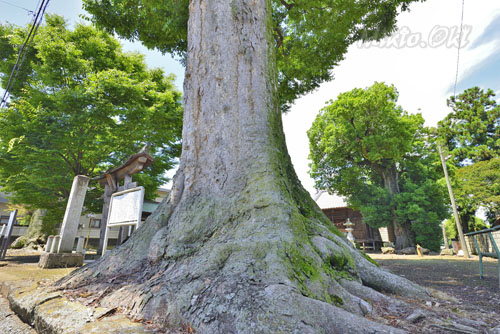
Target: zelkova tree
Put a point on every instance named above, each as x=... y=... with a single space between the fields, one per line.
x=239 y=246
x=79 y=106
x=367 y=148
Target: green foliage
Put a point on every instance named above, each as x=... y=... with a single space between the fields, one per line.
x=367 y=148
x=362 y=128
x=475 y=224
x=422 y=198
x=472 y=130
x=311 y=35
x=480 y=182
x=451 y=229
x=472 y=134
x=79 y=107
x=375 y=204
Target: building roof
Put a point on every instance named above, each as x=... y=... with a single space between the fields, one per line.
x=336 y=208
x=149 y=206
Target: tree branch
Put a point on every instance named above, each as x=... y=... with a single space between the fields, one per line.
x=67 y=161
x=287 y=5
x=279 y=43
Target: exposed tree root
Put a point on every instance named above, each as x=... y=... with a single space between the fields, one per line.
x=258 y=269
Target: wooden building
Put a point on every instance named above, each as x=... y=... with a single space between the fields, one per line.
x=367 y=237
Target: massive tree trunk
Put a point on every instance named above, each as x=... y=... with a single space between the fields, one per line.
x=399 y=231
x=239 y=246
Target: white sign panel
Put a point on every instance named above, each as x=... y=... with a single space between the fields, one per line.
x=126 y=207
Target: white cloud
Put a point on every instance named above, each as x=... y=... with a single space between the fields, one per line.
x=421 y=75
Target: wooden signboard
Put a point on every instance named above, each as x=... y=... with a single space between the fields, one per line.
x=6 y=235
x=125 y=209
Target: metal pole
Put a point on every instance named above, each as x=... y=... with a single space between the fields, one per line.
x=453 y=205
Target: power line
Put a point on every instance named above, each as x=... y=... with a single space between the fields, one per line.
x=14 y=5
x=22 y=52
x=37 y=20
x=459 y=47
x=33 y=37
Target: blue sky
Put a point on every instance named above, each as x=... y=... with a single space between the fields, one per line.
x=487 y=72
x=71 y=10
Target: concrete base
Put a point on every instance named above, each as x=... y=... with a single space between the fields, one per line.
x=60 y=260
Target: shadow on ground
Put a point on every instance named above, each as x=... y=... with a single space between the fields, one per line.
x=455 y=276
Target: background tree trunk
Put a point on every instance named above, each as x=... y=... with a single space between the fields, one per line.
x=400 y=231
x=34 y=236
x=465 y=218
x=239 y=247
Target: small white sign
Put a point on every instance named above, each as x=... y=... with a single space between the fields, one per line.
x=125 y=209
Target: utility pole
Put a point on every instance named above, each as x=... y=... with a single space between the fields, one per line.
x=453 y=205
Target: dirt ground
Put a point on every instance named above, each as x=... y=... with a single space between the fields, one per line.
x=457 y=277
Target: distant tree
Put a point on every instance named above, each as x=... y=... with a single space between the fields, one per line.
x=367 y=148
x=472 y=134
x=80 y=105
x=476 y=224
x=472 y=131
x=481 y=183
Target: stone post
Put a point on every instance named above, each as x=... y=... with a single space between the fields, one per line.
x=79 y=245
x=55 y=244
x=73 y=212
x=48 y=245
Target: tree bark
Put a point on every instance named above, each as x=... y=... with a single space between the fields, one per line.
x=34 y=236
x=400 y=231
x=465 y=217
x=239 y=246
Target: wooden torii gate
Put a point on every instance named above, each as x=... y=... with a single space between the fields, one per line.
x=111 y=182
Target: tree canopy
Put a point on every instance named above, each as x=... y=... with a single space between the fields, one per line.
x=471 y=133
x=81 y=105
x=472 y=130
x=367 y=148
x=311 y=36
x=481 y=183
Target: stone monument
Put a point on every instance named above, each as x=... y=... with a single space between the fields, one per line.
x=60 y=251
x=64 y=256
